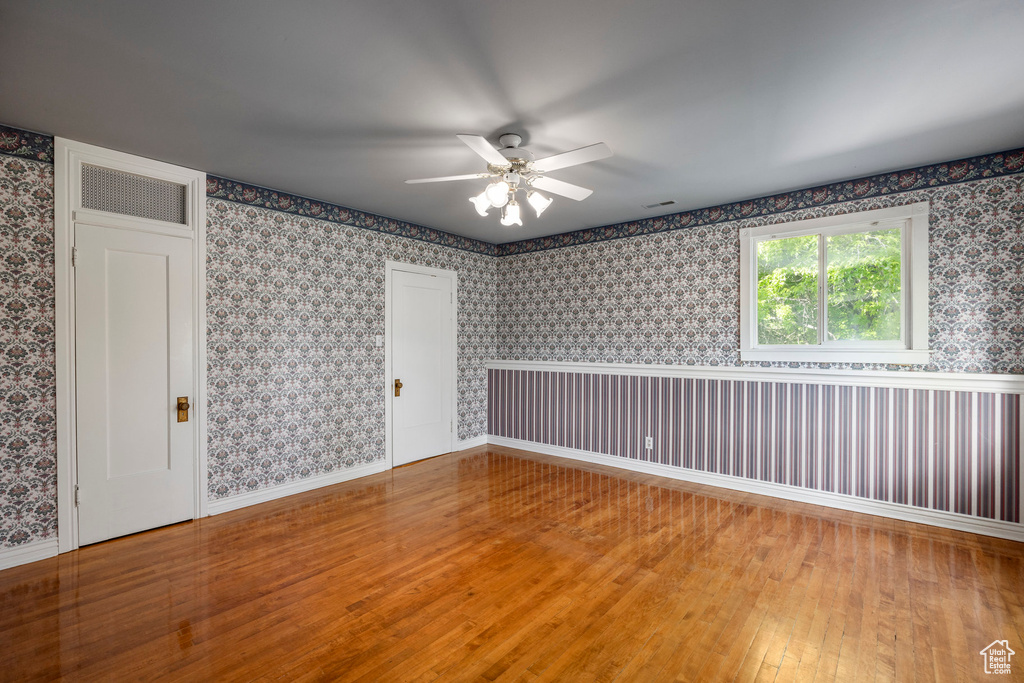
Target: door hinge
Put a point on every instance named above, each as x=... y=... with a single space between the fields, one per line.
x=76 y=495
x=74 y=256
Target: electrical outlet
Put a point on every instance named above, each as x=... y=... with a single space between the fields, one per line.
x=649 y=443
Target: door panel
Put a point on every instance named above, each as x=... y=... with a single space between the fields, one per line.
x=134 y=358
x=136 y=321
x=421 y=328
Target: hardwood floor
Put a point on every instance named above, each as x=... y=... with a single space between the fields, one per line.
x=496 y=564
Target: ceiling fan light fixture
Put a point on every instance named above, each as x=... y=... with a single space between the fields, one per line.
x=510 y=214
x=512 y=168
x=538 y=201
x=481 y=202
x=497 y=193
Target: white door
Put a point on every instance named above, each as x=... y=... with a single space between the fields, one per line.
x=421 y=359
x=134 y=359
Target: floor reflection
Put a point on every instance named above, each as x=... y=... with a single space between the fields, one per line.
x=505 y=563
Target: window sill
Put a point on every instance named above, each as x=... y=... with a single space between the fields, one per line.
x=807 y=355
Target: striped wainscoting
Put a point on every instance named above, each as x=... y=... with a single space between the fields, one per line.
x=919 y=441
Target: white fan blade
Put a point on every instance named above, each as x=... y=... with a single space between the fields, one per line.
x=574 y=157
x=559 y=187
x=480 y=145
x=446 y=178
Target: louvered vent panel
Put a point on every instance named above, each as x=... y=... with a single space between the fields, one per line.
x=105 y=189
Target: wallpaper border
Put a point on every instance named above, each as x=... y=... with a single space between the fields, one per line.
x=254 y=195
x=994 y=165
x=39 y=147
x=26 y=144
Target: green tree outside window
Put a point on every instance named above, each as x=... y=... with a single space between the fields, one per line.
x=862 y=288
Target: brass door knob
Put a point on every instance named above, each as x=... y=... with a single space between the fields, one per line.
x=398 y=387
x=183 y=407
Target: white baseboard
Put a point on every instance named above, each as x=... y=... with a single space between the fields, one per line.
x=29 y=552
x=908 y=513
x=471 y=443
x=216 y=507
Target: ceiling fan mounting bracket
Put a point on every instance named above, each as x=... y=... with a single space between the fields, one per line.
x=510 y=140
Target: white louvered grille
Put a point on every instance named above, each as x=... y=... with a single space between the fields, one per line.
x=105 y=189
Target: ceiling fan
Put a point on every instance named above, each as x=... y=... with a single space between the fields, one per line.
x=514 y=169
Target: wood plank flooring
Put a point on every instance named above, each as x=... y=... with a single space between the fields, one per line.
x=495 y=564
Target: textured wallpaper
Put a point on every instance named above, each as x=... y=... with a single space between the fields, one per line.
x=28 y=435
x=296 y=383
x=673 y=297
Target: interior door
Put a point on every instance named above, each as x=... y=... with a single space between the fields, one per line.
x=421 y=353
x=134 y=358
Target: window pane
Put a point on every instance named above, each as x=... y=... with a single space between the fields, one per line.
x=864 y=285
x=787 y=290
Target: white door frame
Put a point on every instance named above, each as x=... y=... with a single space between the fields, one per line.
x=68 y=159
x=389 y=394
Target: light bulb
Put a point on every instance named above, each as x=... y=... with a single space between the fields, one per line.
x=497 y=193
x=538 y=201
x=510 y=216
x=481 y=202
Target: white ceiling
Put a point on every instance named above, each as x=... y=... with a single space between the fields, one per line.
x=702 y=102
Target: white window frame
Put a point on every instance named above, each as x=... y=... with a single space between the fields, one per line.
x=911 y=349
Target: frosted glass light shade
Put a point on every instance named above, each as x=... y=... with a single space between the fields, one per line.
x=481 y=202
x=538 y=201
x=497 y=193
x=510 y=216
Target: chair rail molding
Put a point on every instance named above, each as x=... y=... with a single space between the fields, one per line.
x=895 y=379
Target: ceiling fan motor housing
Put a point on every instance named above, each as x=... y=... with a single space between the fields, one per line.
x=516 y=154
x=510 y=149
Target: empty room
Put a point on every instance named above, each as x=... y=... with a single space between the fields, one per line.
x=561 y=341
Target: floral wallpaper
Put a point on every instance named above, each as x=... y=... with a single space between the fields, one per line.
x=673 y=297
x=28 y=435
x=296 y=383
x=665 y=298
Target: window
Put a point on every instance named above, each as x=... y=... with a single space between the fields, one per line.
x=845 y=289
